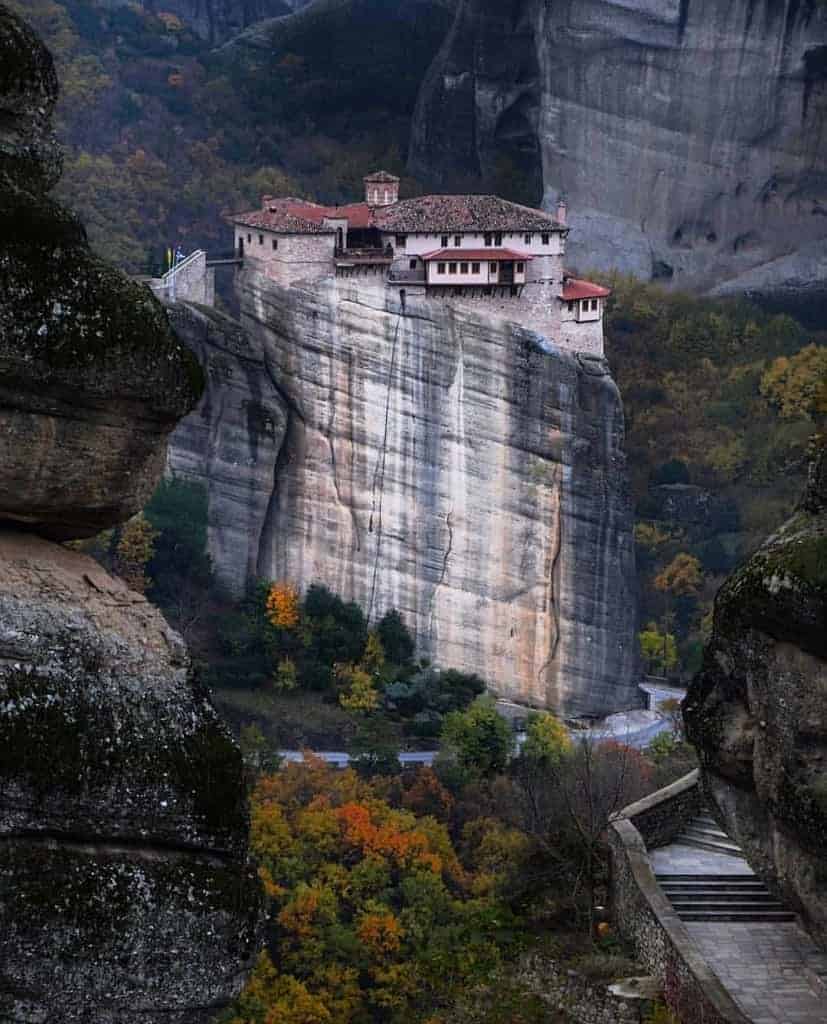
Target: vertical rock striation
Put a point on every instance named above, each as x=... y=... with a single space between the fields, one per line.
x=459 y=469
x=687 y=135
x=126 y=895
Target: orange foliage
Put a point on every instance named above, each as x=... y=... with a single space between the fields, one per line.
x=380 y=933
x=283 y=606
x=385 y=840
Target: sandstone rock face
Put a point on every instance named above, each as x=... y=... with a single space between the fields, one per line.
x=449 y=465
x=758 y=710
x=91 y=377
x=232 y=440
x=687 y=136
x=125 y=891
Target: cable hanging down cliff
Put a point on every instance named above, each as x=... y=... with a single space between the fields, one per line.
x=379 y=471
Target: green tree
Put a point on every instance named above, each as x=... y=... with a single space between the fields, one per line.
x=547 y=739
x=479 y=738
x=658 y=649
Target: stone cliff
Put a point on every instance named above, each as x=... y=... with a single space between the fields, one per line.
x=758 y=710
x=125 y=891
x=687 y=135
x=441 y=462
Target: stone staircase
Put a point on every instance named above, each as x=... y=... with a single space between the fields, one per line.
x=719 y=896
x=722 y=898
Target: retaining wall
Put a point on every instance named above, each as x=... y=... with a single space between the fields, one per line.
x=646 y=918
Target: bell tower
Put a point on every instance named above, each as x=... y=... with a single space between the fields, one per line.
x=381 y=189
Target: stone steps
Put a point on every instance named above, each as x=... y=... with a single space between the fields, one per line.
x=722 y=898
x=704 y=833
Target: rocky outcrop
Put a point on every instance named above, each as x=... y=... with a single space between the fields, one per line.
x=91 y=377
x=758 y=710
x=126 y=892
x=687 y=136
x=232 y=440
x=455 y=467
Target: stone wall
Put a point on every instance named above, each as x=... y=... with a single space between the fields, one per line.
x=584 y=1001
x=646 y=918
x=297 y=258
x=191 y=281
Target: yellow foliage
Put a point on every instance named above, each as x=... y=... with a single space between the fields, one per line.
x=792 y=384
x=374 y=657
x=283 y=606
x=361 y=694
x=134 y=548
x=649 y=536
x=171 y=22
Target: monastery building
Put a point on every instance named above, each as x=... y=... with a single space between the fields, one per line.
x=469 y=250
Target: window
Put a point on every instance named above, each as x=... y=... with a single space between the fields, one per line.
x=545 y=239
x=386 y=195
x=520 y=268
x=457 y=241
x=475 y=268
x=401 y=241
x=261 y=239
x=440 y=268
x=489 y=240
x=452 y=268
x=412 y=264
x=527 y=239
x=249 y=239
x=444 y=242
x=493 y=269
x=571 y=306
x=584 y=306
x=463 y=268
x=498 y=239
x=275 y=243
x=594 y=304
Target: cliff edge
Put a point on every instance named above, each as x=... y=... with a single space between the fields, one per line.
x=448 y=464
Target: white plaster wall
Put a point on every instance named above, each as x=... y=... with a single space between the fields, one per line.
x=418 y=243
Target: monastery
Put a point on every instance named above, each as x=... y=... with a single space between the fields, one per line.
x=501 y=257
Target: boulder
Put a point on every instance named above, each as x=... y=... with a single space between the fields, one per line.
x=757 y=712
x=126 y=892
x=92 y=379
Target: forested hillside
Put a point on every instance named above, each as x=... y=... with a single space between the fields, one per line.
x=163 y=134
x=722 y=400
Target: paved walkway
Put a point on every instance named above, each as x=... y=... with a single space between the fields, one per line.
x=771 y=969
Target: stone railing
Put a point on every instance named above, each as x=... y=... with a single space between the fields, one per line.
x=646 y=918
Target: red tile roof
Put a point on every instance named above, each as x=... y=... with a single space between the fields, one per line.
x=441 y=213
x=285 y=216
x=454 y=255
x=299 y=216
x=575 y=289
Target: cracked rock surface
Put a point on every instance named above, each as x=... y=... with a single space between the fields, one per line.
x=126 y=894
x=92 y=379
x=441 y=463
x=758 y=710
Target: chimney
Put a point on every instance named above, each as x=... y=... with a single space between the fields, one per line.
x=561 y=209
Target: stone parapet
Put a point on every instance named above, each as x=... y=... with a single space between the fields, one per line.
x=646 y=918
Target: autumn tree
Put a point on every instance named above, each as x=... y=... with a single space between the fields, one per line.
x=682 y=577
x=134 y=548
x=372 y=916
x=283 y=606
